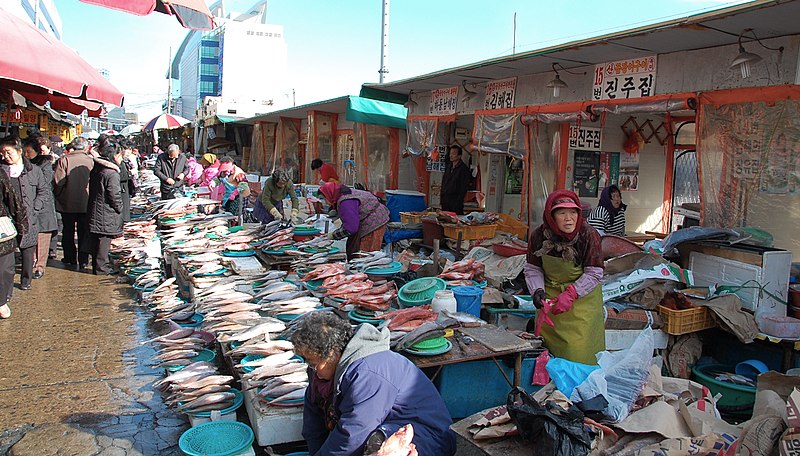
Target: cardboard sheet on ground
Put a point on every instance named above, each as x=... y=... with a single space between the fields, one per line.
x=660 y=417
x=498 y=268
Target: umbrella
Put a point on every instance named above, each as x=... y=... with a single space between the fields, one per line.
x=91 y=134
x=165 y=122
x=131 y=129
x=110 y=132
x=192 y=14
x=50 y=71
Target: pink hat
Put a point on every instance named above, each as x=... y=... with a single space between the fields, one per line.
x=566 y=202
x=226 y=167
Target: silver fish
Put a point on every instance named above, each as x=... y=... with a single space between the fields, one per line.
x=289 y=367
x=176 y=334
x=282 y=389
x=271 y=360
x=296 y=394
x=272 y=326
x=207 y=399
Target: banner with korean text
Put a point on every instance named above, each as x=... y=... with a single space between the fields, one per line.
x=633 y=78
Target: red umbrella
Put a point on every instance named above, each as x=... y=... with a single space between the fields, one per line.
x=42 y=69
x=192 y=14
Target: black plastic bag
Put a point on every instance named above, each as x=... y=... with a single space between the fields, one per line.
x=553 y=430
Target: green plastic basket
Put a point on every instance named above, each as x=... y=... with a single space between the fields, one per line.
x=217 y=438
x=420 y=291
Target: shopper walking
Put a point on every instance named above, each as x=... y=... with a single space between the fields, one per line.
x=105 y=206
x=11 y=210
x=48 y=223
x=71 y=188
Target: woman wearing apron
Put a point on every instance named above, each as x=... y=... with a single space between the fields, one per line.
x=563 y=272
x=270 y=206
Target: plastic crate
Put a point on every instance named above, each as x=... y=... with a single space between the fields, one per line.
x=677 y=322
x=511 y=225
x=412 y=217
x=470 y=232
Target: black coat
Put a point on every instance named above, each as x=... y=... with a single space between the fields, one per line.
x=105 y=199
x=125 y=191
x=455 y=184
x=11 y=206
x=33 y=190
x=47 y=217
x=167 y=169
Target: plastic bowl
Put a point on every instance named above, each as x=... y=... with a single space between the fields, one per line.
x=237 y=402
x=420 y=291
x=205 y=355
x=216 y=438
x=248 y=358
x=751 y=368
x=736 y=399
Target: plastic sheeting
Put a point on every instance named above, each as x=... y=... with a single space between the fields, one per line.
x=262 y=148
x=500 y=134
x=287 y=152
x=372 y=156
x=750 y=167
x=645 y=106
x=421 y=136
x=545 y=140
x=552 y=117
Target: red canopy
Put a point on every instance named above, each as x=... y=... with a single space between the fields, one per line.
x=192 y=14
x=42 y=68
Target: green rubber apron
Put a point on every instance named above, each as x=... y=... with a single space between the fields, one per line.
x=578 y=334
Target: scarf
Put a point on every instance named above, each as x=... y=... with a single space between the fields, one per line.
x=605 y=202
x=14 y=171
x=550 y=222
x=332 y=191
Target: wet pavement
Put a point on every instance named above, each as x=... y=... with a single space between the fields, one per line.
x=74 y=377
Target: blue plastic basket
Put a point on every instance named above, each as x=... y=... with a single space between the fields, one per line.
x=217 y=438
x=468 y=299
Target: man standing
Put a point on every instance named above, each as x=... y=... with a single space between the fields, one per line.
x=71 y=189
x=171 y=169
x=455 y=182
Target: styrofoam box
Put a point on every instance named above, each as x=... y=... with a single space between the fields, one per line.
x=621 y=339
x=272 y=425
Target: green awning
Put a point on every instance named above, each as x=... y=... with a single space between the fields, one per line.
x=382 y=95
x=227 y=119
x=374 y=112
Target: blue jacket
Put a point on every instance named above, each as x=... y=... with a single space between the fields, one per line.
x=377 y=388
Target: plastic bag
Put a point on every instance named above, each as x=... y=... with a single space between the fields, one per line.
x=568 y=374
x=621 y=377
x=555 y=431
x=540 y=375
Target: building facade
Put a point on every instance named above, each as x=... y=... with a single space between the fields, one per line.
x=42 y=13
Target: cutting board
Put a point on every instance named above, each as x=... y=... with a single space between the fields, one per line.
x=495 y=338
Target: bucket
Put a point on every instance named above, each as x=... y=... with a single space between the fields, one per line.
x=737 y=400
x=468 y=299
x=220 y=438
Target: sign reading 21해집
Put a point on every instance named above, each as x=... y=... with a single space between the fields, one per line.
x=500 y=94
x=634 y=78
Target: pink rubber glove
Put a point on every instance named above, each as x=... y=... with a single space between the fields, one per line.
x=563 y=302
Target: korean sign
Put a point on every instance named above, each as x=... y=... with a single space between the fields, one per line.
x=585 y=138
x=443 y=101
x=634 y=78
x=440 y=162
x=500 y=94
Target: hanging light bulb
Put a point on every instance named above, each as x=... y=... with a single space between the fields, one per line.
x=410 y=104
x=557 y=83
x=744 y=59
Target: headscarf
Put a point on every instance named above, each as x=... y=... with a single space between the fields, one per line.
x=332 y=191
x=561 y=198
x=208 y=159
x=605 y=201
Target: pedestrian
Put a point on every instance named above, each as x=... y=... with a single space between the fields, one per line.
x=563 y=272
x=195 y=171
x=131 y=159
x=105 y=206
x=210 y=166
x=363 y=217
x=48 y=222
x=29 y=182
x=269 y=206
x=171 y=169
x=71 y=188
x=125 y=183
x=360 y=392
x=56 y=145
x=233 y=188
x=326 y=171
x=12 y=214
x=455 y=182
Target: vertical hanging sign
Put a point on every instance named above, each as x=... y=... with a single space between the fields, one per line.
x=633 y=78
x=443 y=101
x=500 y=94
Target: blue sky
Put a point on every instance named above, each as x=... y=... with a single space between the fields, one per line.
x=334 y=46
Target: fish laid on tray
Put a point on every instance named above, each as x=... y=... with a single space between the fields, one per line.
x=408 y=319
x=366 y=260
x=469 y=269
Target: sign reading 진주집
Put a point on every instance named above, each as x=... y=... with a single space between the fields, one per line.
x=500 y=94
x=443 y=101
x=633 y=78
x=585 y=138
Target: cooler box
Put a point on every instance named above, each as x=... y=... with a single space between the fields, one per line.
x=404 y=201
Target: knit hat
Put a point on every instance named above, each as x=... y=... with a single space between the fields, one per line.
x=208 y=159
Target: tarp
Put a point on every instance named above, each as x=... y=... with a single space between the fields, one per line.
x=374 y=112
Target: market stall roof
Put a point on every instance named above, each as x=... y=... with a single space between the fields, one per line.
x=356 y=109
x=769 y=18
x=192 y=14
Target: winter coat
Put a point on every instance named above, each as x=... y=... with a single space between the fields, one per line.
x=33 y=191
x=195 y=172
x=375 y=387
x=166 y=168
x=71 y=182
x=125 y=191
x=105 y=199
x=47 y=217
x=11 y=206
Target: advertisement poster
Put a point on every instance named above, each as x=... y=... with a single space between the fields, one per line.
x=628 y=172
x=500 y=94
x=609 y=170
x=633 y=78
x=443 y=101
x=585 y=179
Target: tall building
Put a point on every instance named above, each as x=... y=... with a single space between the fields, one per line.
x=42 y=13
x=237 y=70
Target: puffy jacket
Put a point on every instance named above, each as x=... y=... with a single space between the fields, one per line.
x=11 y=206
x=376 y=388
x=33 y=192
x=166 y=168
x=47 y=217
x=71 y=182
x=105 y=199
x=125 y=191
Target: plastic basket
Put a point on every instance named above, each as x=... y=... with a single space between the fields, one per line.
x=412 y=217
x=470 y=232
x=511 y=225
x=217 y=438
x=205 y=355
x=420 y=291
x=468 y=299
x=677 y=322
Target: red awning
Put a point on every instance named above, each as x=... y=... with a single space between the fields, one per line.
x=41 y=65
x=192 y=14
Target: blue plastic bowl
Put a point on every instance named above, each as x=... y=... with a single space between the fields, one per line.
x=217 y=438
x=248 y=369
x=751 y=368
x=205 y=355
x=193 y=322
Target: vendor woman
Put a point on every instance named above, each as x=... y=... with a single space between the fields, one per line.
x=360 y=392
x=565 y=266
x=270 y=206
x=363 y=217
x=609 y=215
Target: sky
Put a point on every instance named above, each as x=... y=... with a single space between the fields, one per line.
x=334 y=46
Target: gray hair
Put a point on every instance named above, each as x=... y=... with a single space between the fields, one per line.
x=281 y=175
x=78 y=143
x=173 y=147
x=323 y=334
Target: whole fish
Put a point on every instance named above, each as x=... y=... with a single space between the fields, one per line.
x=176 y=334
x=284 y=295
x=186 y=372
x=282 y=389
x=207 y=399
x=209 y=380
x=164 y=284
x=294 y=395
x=176 y=354
x=270 y=360
x=293 y=365
x=272 y=326
x=211 y=407
x=294 y=377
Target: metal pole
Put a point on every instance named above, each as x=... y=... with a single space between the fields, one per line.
x=514 y=40
x=384 y=41
x=169 y=85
